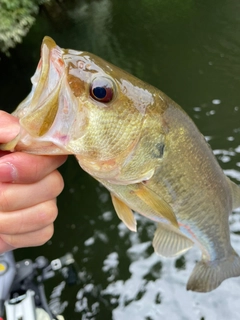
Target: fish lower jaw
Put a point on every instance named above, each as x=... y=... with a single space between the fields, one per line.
x=30 y=145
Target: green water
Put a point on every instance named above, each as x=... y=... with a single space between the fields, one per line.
x=191 y=51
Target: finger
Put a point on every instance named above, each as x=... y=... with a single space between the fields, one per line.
x=9 y=127
x=15 y=197
x=30 y=239
x=19 y=167
x=28 y=220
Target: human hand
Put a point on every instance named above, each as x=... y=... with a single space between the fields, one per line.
x=29 y=185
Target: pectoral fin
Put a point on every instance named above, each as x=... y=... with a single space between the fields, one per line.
x=156 y=203
x=124 y=213
x=169 y=241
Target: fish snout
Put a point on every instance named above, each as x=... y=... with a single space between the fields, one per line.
x=48 y=113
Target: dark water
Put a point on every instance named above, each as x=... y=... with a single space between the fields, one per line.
x=191 y=51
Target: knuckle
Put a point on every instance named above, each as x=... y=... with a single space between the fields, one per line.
x=28 y=220
x=48 y=213
x=45 y=234
x=57 y=183
x=37 y=238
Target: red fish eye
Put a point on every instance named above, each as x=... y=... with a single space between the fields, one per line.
x=102 y=89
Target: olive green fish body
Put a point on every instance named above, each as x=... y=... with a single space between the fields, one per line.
x=188 y=178
x=192 y=182
x=142 y=147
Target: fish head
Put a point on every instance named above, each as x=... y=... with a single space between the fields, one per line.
x=82 y=105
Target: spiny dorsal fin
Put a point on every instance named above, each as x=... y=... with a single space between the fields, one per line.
x=124 y=213
x=169 y=241
x=157 y=204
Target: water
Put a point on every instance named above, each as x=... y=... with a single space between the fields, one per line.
x=190 y=50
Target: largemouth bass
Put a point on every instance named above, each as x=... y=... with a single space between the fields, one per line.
x=142 y=147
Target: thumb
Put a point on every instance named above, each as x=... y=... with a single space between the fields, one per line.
x=9 y=127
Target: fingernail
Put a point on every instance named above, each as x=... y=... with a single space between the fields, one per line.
x=8 y=172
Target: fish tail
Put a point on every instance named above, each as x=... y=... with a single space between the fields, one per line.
x=208 y=275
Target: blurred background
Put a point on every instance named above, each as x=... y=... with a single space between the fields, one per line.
x=190 y=50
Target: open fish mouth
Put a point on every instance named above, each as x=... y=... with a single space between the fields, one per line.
x=38 y=111
x=47 y=114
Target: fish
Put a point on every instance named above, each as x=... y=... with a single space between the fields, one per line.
x=140 y=145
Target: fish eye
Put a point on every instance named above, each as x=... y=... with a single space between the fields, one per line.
x=102 y=89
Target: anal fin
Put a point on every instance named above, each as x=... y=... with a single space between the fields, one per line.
x=169 y=241
x=124 y=213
